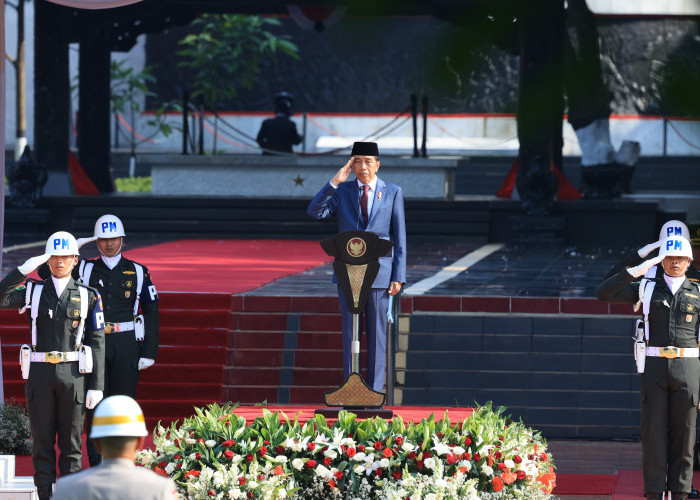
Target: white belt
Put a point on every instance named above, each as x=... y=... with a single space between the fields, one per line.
x=124 y=326
x=672 y=352
x=53 y=357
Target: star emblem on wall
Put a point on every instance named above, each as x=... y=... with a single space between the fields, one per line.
x=299 y=180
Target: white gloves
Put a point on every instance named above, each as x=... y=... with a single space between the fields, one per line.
x=646 y=250
x=32 y=264
x=145 y=363
x=82 y=241
x=92 y=398
x=642 y=268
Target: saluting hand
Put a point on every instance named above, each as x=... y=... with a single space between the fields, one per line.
x=342 y=174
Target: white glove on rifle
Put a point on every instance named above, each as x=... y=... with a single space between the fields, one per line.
x=82 y=241
x=642 y=268
x=145 y=363
x=643 y=252
x=32 y=264
x=92 y=398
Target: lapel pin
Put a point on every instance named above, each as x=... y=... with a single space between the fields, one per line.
x=379 y=196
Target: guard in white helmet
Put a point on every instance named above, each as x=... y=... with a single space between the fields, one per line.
x=670 y=382
x=131 y=312
x=64 y=361
x=118 y=429
x=670 y=228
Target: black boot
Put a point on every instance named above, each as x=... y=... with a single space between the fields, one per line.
x=694 y=493
x=44 y=491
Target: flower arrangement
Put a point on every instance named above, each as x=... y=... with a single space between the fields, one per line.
x=214 y=454
x=15 y=434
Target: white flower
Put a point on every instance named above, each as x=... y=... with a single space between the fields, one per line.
x=486 y=470
x=359 y=457
x=431 y=496
x=415 y=496
x=466 y=463
x=288 y=443
x=190 y=441
x=210 y=443
x=441 y=483
x=298 y=463
x=252 y=485
x=282 y=493
x=509 y=463
x=458 y=450
x=359 y=469
x=193 y=456
x=384 y=463
x=322 y=472
x=170 y=468
x=406 y=446
x=281 y=459
x=331 y=453
x=440 y=448
x=429 y=463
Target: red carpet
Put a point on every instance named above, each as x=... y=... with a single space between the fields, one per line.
x=585 y=484
x=229 y=266
x=630 y=485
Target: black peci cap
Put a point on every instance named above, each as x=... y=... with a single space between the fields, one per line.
x=365 y=149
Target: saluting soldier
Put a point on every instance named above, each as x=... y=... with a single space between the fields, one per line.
x=126 y=288
x=670 y=380
x=67 y=336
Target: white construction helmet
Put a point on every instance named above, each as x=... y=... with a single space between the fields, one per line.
x=62 y=243
x=118 y=416
x=674 y=228
x=109 y=226
x=676 y=246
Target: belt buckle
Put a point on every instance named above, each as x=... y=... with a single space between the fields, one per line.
x=54 y=357
x=670 y=352
x=109 y=328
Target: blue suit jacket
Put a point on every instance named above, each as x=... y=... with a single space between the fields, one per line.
x=386 y=220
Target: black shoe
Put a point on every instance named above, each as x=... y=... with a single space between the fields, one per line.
x=694 y=493
x=44 y=491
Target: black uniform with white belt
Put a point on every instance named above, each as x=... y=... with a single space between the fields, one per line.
x=670 y=384
x=56 y=391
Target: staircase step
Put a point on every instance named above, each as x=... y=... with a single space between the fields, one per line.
x=179 y=389
x=192 y=300
x=191 y=373
x=194 y=318
x=193 y=336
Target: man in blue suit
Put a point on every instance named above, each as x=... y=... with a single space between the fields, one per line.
x=367 y=204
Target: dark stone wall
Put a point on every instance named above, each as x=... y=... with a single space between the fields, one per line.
x=374 y=65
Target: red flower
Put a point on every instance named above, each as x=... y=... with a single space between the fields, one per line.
x=162 y=464
x=177 y=457
x=521 y=474
x=331 y=484
x=463 y=470
x=467 y=456
x=543 y=456
x=249 y=457
x=387 y=452
x=378 y=472
x=396 y=474
x=263 y=451
x=310 y=464
x=311 y=446
x=266 y=442
x=279 y=450
x=260 y=477
x=351 y=452
x=467 y=441
x=192 y=473
x=501 y=466
x=501 y=438
x=229 y=454
x=361 y=448
x=451 y=459
x=250 y=494
x=498 y=455
x=497 y=484
x=412 y=455
x=279 y=470
x=378 y=445
x=211 y=493
x=241 y=481
x=419 y=463
x=161 y=472
x=198 y=455
x=426 y=454
x=439 y=434
x=339 y=474
x=517 y=459
x=177 y=442
x=229 y=443
x=327 y=461
x=398 y=440
x=477 y=457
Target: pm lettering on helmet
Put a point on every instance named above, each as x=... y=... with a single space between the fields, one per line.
x=109 y=227
x=673 y=231
x=60 y=243
x=674 y=245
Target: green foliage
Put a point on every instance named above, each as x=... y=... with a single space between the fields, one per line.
x=15 y=435
x=133 y=184
x=227 y=51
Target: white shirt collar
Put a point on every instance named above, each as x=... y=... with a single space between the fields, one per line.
x=111 y=262
x=372 y=184
x=60 y=283
x=674 y=283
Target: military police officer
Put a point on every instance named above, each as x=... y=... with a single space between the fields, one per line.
x=125 y=285
x=118 y=430
x=670 y=381
x=64 y=366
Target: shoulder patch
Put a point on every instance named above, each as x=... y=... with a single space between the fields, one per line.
x=21 y=287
